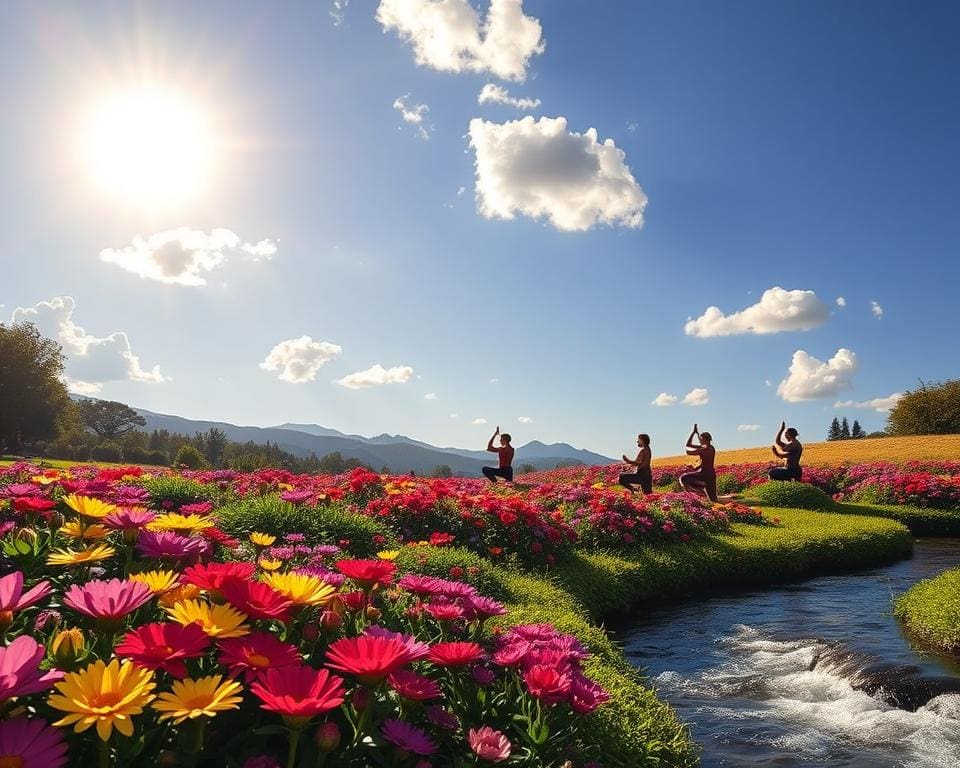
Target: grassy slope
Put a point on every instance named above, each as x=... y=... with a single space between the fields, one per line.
x=919 y=447
x=931 y=611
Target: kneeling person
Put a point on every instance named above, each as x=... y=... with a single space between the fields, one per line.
x=505 y=452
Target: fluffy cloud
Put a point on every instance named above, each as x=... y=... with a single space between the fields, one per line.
x=298 y=360
x=183 y=256
x=841 y=302
x=430 y=396
x=481 y=420
x=813 y=379
x=664 y=400
x=338 y=10
x=538 y=168
x=748 y=427
x=697 y=396
x=778 y=310
x=450 y=36
x=376 y=376
x=525 y=420
x=91 y=361
x=879 y=404
x=415 y=114
x=876 y=309
x=497 y=94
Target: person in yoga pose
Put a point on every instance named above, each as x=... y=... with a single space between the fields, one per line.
x=641 y=475
x=790 y=450
x=505 y=452
x=703 y=479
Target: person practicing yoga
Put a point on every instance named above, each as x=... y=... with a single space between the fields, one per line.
x=703 y=479
x=505 y=451
x=642 y=475
x=790 y=450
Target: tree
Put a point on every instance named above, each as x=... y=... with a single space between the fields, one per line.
x=834 y=432
x=526 y=469
x=33 y=398
x=442 y=470
x=856 y=432
x=109 y=419
x=214 y=444
x=189 y=457
x=931 y=409
x=844 y=429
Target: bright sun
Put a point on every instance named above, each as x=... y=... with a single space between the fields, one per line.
x=148 y=148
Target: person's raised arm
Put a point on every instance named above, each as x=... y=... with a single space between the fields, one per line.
x=693 y=449
x=779 y=438
x=490 y=443
x=777 y=453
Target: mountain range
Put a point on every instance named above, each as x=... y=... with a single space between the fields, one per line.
x=401 y=454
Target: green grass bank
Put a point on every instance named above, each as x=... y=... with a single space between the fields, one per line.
x=930 y=610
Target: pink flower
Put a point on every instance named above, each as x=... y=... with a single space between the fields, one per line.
x=408 y=737
x=12 y=597
x=167 y=545
x=109 y=600
x=20 y=669
x=130 y=518
x=412 y=686
x=31 y=743
x=489 y=744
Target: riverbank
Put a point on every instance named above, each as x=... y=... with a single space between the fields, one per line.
x=930 y=610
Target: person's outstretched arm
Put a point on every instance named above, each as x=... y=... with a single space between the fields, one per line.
x=692 y=449
x=490 y=443
x=779 y=437
x=627 y=460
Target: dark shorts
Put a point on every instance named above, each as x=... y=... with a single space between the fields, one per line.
x=492 y=473
x=699 y=480
x=643 y=478
x=786 y=473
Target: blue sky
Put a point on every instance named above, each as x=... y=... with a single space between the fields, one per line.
x=810 y=146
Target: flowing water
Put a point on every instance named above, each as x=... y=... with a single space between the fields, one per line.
x=811 y=674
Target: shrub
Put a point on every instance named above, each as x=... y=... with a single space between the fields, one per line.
x=173 y=491
x=779 y=493
x=931 y=610
x=156 y=458
x=106 y=452
x=728 y=483
x=189 y=457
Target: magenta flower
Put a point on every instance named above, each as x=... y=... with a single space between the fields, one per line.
x=485 y=607
x=31 y=744
x=489 y=744
x=414 y=687
x=408 y=737
x=129 y=518
x=414 y=648
x=12 y=596
x=20 y=669
x=167 y=545
x=109 y=600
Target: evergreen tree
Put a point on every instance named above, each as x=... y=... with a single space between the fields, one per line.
x=844 y=429
x=834 y=432
x=857 y=431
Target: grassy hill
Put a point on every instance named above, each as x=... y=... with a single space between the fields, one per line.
x=917 y=447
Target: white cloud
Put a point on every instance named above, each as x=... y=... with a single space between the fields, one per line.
x=879 y=404
x=876 y=309
x=297 y=360
x=664 y=400
x=813 y=379
x=697 y=396
x=841 y=302
x=539 y=169
x=183 y=256
x=768 y=382
x=450 y=35
x=748 y=427
x=430 y=396
x=415 y=114
x=631 y=126
x=497 y=94
x=91 y=361
x=778 y=310
x=494 y=381
x=454 y=415
x=338 y=10
x=376 y=376
x=461 y=191
x=481 y=420
x=525 y=420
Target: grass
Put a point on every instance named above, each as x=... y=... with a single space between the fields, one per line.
x=931 y=611
x=67 y=463
x=921 y=521
x=914 y=447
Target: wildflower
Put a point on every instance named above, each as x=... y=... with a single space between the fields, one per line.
x=455 y=654
x=442 y=719
x=485 y=607
x=26 y=505
x=20 y=663
x=31 y=743
x=108 y=600
x=76 y=530
x=298 y=693
x=129 y=519
x=183 y=524
x=211 y=576
x=178 y=594
x=257 y=600
x=414 y=687
x=89 y=555
x=301 y=588
x=262 y=539
x=191 y=699
x=368 y=573
x=89 y=506
x=414 y=648
x=13 y=598
x=105 y=695
x=408 y=737
x=369 y=658
x=164 y=646
x=489 y=744
x=388 y=554
x=270 y=565
x=585 y=695
x=547 y=683
x=215 y=620
x=158 y=582
x=167 y=545
x=256 y=653
x=445 y=610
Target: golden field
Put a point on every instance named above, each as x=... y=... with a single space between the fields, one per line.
x=917 y=447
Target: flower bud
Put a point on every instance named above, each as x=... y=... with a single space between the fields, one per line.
x=68 y=646
x=26 y=535
x=360 y=699
x=330 y=620
x=327 y=737
x=373 y=613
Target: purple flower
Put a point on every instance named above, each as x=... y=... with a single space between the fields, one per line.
x=414 y=647
x=166 y=545
x=31 y=743
x=408 y=737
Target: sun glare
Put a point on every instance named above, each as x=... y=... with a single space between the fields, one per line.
x=148 y=148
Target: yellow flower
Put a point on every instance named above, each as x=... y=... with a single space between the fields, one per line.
x=105 y=695
x=180 y=593
x=44 y=479
x=89 y=555
x=269 y=565
x=158 y=581
x=88 y=506
x=284 y=487
x=388 y=554
x=301 y=588
x=74 y=530
x=215 y=620
x=262 y=539
x=68 y=645
x=192 y=698
x=174 y=521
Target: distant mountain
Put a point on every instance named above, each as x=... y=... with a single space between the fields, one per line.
x=398 y=452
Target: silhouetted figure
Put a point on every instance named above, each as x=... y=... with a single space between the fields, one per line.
x=642 y=474
x=505 y=452
x=703 y=479
x=790 y=450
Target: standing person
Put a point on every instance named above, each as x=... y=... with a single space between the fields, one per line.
x=703 y=479
x=642 y=474
x=505 y=452
x=790 y=450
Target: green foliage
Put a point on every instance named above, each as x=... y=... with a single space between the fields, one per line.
x=454 y=562
x=781 y=493
x=189 y=457
x=922 y=521
x=834 y=432
x=108 y=451
x=931 y=409
x=728 y=483
x=109 y=419
x=173 y=491
x=335 y=464
x=931 y=611
x=442 y=470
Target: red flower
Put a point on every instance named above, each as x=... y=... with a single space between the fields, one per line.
x=256 y=653
x=369 y=658
x=164 y=646
x=547 y=683
x=299 y=693
x=256 y=599
x=29 y=504
x=368 y=572
x=211 y=576
x=455 y=654
x=414 y=687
